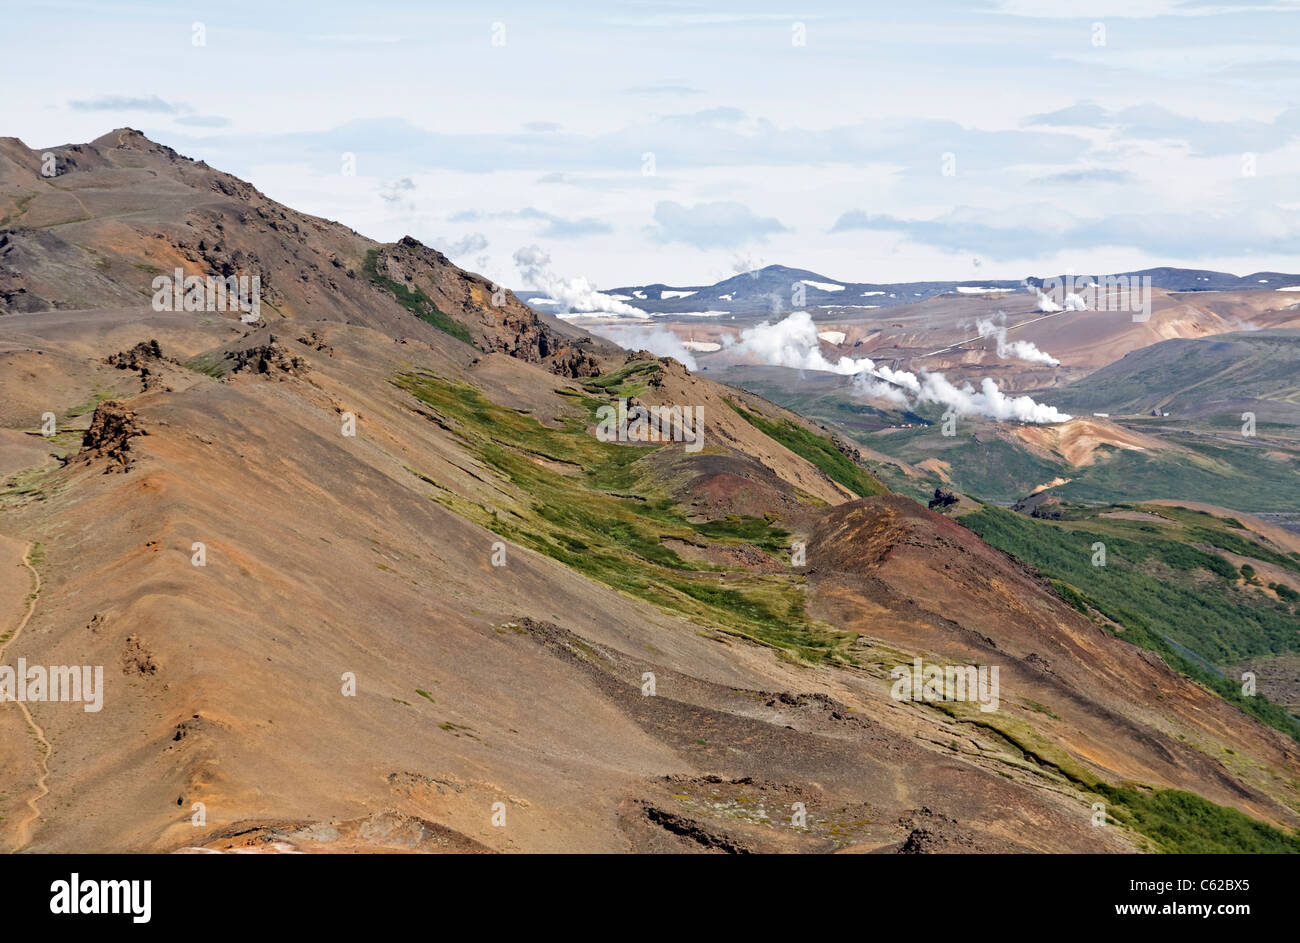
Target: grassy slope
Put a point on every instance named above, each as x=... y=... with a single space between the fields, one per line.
x=632 y=379
x=1172 y=821
x=585 y=520
x=818 y=450
x=607 y=517
x=415 y=301
x=1236 y=474
x=1165 y=593
x=1183 y=823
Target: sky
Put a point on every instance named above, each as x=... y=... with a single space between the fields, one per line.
x=644 y=142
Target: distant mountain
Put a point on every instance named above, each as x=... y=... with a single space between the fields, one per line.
x=1181 y=279
x=771 y=290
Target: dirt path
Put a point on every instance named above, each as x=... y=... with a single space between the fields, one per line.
x=10 y=549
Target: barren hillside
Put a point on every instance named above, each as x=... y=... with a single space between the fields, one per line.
x=437 y=612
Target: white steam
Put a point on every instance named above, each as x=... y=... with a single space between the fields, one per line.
x=659 y=341
x=963 y=400
x=574 y=294
x=1048 y=305
x=1021 y=350
x=872 y=387
x=987 y=401
x=793 y=343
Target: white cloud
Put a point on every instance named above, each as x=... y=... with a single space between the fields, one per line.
x=712 y=225
x=1135 y=9
x=735 y=115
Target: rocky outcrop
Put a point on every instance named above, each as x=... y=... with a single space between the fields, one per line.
x=847 y=449
x=137 y=357
x=575 y=363
x=112 y=428
x=942 y=499
x=145 y=358
x=496 y=320
x=932 y=833
x=270 y=359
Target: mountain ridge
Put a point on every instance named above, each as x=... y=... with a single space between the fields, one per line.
x=769 y=290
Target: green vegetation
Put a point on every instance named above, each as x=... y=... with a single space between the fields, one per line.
x=29 y=483
x=1285 y=592
x=597 y=507
x=630 y=380
x=1154 y=575
x=980 y=462
x=1203 y=528
x=1182 y=823
x=758 y=531
x=1040 y=708
x=415 y=301
x=1162 y=592
x=209 y=364
x=1217 y=471
x=819 y=450
x=1066 y=592
x=89 y=405
x=985 y=461
x=21 y=206
x=1175 y=822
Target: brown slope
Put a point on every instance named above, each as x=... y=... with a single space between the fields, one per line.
x=326 y=555
x=142 y=209
x=123 y=209
x=910 y=577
